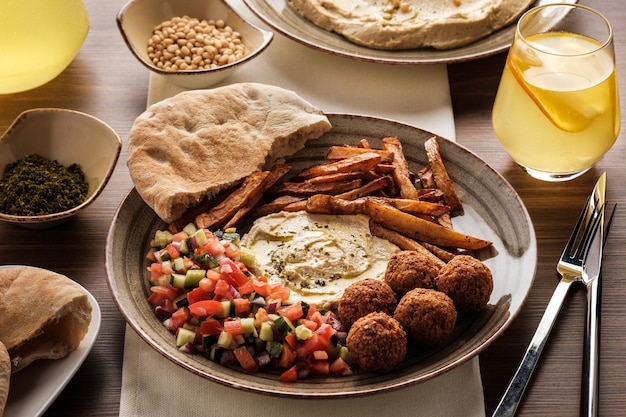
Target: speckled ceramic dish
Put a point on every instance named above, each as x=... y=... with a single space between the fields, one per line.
x=137 y=19
x=493 y=211
x=68 y=137
x=285 y=20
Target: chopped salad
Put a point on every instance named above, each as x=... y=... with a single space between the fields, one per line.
x=205 y=294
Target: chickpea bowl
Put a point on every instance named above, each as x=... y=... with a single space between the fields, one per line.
x=53 y=164
x=192 y=43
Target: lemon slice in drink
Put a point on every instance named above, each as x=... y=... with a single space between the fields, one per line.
x=563 y=90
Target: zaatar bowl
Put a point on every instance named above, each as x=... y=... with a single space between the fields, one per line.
x=66 y=136
x=138 y=18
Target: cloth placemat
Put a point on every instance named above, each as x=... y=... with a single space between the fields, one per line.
x=152 y=386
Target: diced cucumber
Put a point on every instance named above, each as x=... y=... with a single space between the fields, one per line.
x=178 y=265
x=266 y=332
x=247 y=325
x=184 y=247
x=224 y=340
x=162 y=238
x=228 y=309
x=193 y=277
x=303 y=333
x=283 y=324
x=274 y=348
x=185 y=336
x=161 y=280
x=247 y=257
x=232 y=237
x=344 y=354
x=208 y=340
x=178 y=280
x=181 y=301
x=200 y=237
x=190 y=229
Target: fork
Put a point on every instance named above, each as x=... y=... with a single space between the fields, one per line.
x=569 y=267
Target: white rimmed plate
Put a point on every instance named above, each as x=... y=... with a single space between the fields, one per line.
x=281 y=17
x=34 y=388
x=493 y=211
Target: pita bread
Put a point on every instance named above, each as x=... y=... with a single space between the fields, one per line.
x=200 y=142
x=43 y=315
x=409 y=24
x=5 y=376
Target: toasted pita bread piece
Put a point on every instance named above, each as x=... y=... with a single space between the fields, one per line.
x=201 y=142
x=5 y=376
x=43 y=315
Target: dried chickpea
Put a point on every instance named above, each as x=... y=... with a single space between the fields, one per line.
x=185 y=43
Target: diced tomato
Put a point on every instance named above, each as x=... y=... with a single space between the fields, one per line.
x=179 y=318
x=290 y=375
x=242 y=306
x=233 y=327
x=319 y=367
x=310 y=345
x=316 y=317
x=173 y=251
x=287 y=357
x=197 y=294
x=155 y=299
x=231 y=250
x=179 y=237
x=262 y=288
x=280 y=293
x=291 y=340
x=320 y=355
x=340 y=367
x=213 y=275
x=207 y=285
x=326 y=331
x=310 y=324
x=261 y=316
x=211 y=326
x=231 y=273
x=206 y=308
x=245 y=359
x=213 y=247
x=246 y=288
x=166 y=291
x=293 y=312
x=222 y=290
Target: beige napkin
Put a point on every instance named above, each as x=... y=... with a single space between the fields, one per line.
x=153 y=386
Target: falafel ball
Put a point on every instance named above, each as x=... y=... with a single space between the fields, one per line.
x=410 y=269
x=428 y=316
x=363 y=297
x=467 y=281
x=377 y=342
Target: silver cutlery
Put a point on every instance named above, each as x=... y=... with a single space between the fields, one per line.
x=570 y=268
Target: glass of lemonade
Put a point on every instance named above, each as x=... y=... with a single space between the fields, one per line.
x=556 y=111
x=39 y=39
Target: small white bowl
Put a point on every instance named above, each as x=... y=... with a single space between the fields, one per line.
x=138 y=18
x=68 y=137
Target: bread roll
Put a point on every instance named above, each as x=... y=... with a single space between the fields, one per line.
x=201 y=142
x=43 y=315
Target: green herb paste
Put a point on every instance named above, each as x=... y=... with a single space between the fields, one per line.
x=35 y=186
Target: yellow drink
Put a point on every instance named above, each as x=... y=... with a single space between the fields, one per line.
x=557 y=110
x=39 y=40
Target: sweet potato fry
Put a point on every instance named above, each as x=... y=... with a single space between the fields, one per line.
x=418 y=207
x=227 y=208
x=328 y=204
x=440 y=253
x=367 y=189
x=401 y=169
x=276 y=205
x=403 y=242
x=340 y=176
x=440 y=175
x=419 y=229
x=364 y=143
x=336 y=153
x=277 y=171
x=307 y=189
x=361 y=162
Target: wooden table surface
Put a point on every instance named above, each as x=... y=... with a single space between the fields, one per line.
x=107 y=82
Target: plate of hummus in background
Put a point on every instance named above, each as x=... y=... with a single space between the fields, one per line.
x=492 y=211
x=398 y=32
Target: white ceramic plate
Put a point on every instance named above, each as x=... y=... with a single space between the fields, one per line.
x=493 y=211
x=281 y=17
x=34 y=388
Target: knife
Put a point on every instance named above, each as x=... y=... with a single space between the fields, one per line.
x=591 y=273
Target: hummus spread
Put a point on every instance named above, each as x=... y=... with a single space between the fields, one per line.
x=316 y=255
x=409 y=24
